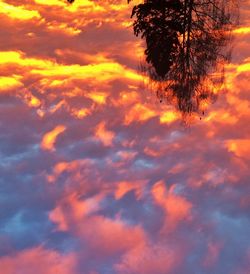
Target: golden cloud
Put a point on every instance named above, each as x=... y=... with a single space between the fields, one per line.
x=49 y=139
x=18 y=12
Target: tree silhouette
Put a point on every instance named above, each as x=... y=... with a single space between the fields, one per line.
x=161 y=25
x=186 y=42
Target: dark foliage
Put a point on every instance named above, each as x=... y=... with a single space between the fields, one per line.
x=160 y=23
x=186 y=41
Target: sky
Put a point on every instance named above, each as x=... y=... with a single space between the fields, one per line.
x=96 y=175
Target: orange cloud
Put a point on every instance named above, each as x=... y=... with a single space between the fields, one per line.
x=30 y=99
x=19 y=58
x=177 y=208
x=99 y=72
x=240 y=105
x=221 y=116
x=104 y=135
x=97 y=97
x=60 y=167
x=245 y=67
x=80 y=113
x=126 y=98
x=124 y=187
x=63 y=27
x=51 y=3
x=49 y=139
x=55 y=73
x=240 y=147
x=242 y=30
x=168 y=117
x=139 y=113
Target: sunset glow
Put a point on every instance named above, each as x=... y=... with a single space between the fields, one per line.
x=97 y=175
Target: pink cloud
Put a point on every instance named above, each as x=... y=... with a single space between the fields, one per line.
x=213 y=253
x=38 y=260
x=103 y=134
x=147 y=259
x=177 y=208
x=124 y=187
x=71 y=211
x=109 y=237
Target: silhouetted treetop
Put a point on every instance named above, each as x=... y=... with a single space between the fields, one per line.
x=160 y=23
x=185 y=41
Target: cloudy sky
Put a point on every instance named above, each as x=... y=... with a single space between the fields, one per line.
x=98 y=177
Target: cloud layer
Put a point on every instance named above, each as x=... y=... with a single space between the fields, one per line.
x=98 y=177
